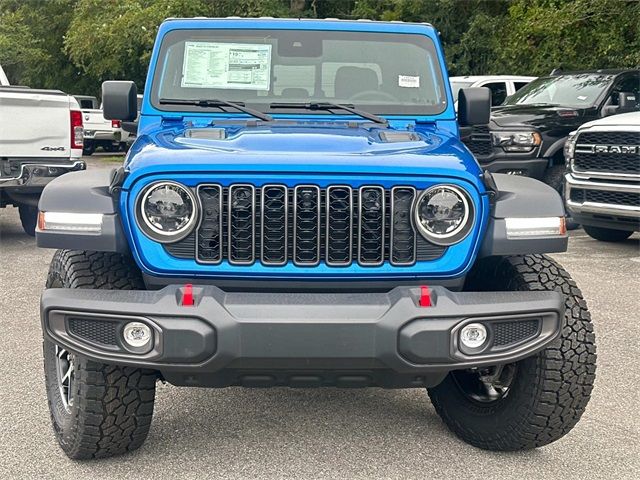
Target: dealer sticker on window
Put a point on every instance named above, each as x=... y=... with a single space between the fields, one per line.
x=409 y=81
x=226 y=65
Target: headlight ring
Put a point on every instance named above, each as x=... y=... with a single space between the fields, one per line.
x=166 y=211
x=444 y=214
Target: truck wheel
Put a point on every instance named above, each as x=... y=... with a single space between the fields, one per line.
x=97 y=410
x=28 y=218
x=537 y=400
x=607 y=234
x=554 y=177
x=88 y=149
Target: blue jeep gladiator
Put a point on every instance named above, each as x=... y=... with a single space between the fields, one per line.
x=298 y=210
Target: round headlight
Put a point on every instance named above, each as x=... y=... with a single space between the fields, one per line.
x=167 y=211
x=444 y=214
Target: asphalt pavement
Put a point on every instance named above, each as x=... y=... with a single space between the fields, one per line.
x=323 y=433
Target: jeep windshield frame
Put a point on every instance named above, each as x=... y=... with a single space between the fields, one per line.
x=376 y=72
x=581 y=90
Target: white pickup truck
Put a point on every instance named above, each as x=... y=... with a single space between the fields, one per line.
x=100 y=132
x=602 y=187
x=41 y=136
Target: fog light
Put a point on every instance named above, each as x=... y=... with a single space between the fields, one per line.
x=473 y=335
x=136 y=334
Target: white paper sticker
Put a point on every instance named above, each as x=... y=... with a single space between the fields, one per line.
x=238 y=66
x=408 y=81
x=582 y=98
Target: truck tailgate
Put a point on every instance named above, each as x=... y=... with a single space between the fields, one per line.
x=34 y=123
x=94 y=120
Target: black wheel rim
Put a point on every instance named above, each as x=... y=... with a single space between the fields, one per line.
x=65 y=374
x=487 y=385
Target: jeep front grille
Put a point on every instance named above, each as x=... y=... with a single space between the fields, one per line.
x=594 y=152
x=306 y=225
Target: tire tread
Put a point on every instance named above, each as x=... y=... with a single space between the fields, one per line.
x=115 y=406
x=559 y=379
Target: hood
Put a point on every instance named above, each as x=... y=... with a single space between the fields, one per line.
x=334 y=148
x=541 y=117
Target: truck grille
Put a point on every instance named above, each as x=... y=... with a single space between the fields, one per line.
x=581 y=195
x=479 y=141
x=306 y=225
x=588 y=159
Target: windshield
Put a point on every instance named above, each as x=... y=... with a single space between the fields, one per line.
x=456 y=86
x=577 y=91
x=377 y=72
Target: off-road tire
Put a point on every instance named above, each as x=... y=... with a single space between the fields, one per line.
x=550 y=390
x=28 y=218
x=607 y=234
x=112 y=405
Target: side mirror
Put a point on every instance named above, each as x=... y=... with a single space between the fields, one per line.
x=119 y=100
x=474 y=106
x=627 y=102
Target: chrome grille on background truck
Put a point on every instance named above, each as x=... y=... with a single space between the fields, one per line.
x=587 y=158
x=275 y=224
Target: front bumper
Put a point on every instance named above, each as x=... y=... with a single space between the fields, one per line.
x=604 y=212
x=265 y=339
x=39 y=174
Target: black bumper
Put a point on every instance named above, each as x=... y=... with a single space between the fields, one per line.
x=37 y=173
x=302 y=339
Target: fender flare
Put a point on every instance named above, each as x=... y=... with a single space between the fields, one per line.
x=521 y=197
x=555 y=147
x=88 y=191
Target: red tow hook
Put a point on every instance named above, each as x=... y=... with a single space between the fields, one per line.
x=187 y=295
x=425 y=297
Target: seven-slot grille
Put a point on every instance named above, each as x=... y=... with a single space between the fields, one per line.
x=306 y=224
x=588 y=159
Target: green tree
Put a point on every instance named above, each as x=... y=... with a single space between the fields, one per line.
x=32 y=44
x=74 y=45
x=539 y=35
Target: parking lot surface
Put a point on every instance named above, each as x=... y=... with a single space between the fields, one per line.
x=322 y=433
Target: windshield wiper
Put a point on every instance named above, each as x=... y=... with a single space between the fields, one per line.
x=332 y=106
x=217 y=103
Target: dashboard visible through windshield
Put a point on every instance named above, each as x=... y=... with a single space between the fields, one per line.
x=271 y=70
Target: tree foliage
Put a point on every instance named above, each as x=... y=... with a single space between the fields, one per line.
x=76 y=44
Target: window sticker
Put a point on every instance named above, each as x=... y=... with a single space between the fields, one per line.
x=240 y=66
x=408 y=81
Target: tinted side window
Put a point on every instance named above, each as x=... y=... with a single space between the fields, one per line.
x=498 y=92
x=629 y=84
x=519 y=85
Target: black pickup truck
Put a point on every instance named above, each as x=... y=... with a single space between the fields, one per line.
x=528 y=131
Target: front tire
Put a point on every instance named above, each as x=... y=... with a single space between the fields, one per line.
x=97 y=410
x=607 y=234
x=534 y=401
